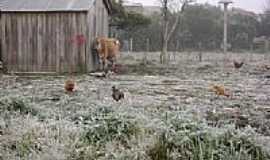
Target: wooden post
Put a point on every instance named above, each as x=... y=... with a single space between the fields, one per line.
x=225 y=29
x=128 y=46
x=147 y=50
x=147 y=45
x=131 y=45
x=200 y=52
x=176 y=50
x=177 y=46
x=266 y=48
x=0 y=40
x=250 y=52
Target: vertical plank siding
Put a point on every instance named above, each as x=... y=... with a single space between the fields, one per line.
x=46 y=42
x=52 y=41
x=101 y=19
x=91 y=30
x=98 y=26
x=3 y=39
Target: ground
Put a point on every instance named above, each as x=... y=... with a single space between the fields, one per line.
x=169 y=112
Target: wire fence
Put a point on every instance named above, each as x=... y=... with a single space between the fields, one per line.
x=149 y=45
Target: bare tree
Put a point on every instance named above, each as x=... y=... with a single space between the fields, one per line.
x=173 y=6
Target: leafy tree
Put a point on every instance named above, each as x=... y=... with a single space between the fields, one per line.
x=140 y=34
x=205 y=28
x=126 y=20
x=198 y=24
x=243 y=29
x=265 y=21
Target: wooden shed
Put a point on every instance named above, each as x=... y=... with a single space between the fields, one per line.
x=51 y=36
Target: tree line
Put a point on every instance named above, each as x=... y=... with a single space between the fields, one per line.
x=200 y=26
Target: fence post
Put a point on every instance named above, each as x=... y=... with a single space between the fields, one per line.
x=266 y=48
x=147 y=45
x=200 y=52
x=131 y=45
x=176 y=50
x=147 y=50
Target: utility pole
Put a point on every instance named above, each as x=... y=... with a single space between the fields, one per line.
x=1 y=41
x=225 y=45
x=226 y=4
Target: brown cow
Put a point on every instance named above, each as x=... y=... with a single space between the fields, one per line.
x=107 y=50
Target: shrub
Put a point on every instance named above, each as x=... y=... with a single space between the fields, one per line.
x=202 y=143
x=17 y=105
x=110 y=128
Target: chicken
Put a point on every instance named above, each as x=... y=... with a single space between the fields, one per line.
x=266 y=67
x=238 y=65
x=69 y=85
x=117 y=94
x=263 y=67
x=219 y=90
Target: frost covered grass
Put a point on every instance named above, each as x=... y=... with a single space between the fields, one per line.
x=118 y=132
x=167 y=114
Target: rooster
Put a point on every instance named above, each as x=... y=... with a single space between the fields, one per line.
x=69 y=85
x=117 y=94
x=238 y=65
x=219 y=90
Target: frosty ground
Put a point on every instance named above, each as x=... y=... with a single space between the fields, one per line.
x=169 y=111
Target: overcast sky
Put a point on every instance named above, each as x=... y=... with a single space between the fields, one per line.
x=251 y=5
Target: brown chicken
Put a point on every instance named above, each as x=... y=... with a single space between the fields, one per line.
x=69 y=85
x=266 y=67
x=117 y=94
x=220 y=90
x=238 y=65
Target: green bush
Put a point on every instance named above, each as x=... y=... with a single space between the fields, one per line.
x=102 y=126
x=188 y=141
x=17 y=105
x=110 y=128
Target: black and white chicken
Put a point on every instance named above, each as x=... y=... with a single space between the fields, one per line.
x=117 y=94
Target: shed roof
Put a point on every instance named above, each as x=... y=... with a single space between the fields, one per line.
x=48 y=5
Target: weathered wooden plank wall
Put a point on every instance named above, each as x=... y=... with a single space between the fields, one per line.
x=98 y=21
x=0 y=38
x=102 y=20
x=52 y=41
x=45 y=42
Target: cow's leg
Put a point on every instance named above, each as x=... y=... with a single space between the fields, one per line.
x=105 y=56
x=113 y=61
x=100 y=65
x=111 y=65
x=104 y=64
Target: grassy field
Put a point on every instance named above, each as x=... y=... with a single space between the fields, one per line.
x=169 y=112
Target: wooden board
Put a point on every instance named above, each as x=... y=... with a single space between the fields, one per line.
x=46 y=42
